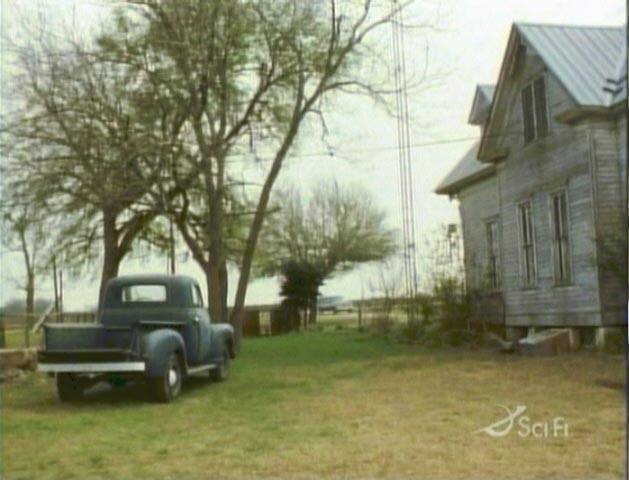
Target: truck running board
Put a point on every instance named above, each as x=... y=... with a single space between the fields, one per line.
x=201 y=368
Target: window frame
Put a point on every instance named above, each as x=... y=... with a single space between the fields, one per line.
x=527 y=251
x=127 y=289
x=195 y=289
x=531 y=84
x=561 y=245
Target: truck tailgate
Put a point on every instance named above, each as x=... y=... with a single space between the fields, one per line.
x=87 y=337
x=89 y=348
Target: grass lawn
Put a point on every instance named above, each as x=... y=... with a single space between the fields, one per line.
x=16 y=338
x=332 y=404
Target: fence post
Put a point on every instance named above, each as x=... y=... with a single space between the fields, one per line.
x=54 y=278
x=3 y=343
x=61 y=294
x=27 y=330
x=360 y=315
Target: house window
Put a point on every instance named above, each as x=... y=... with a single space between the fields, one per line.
x=561 y=255
x=534 y=110
x=493 y=258
x=527 y=244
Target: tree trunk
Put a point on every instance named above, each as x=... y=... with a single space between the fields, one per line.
x=30 y=294
x=238 y=313
x=217 y=270
x=313 y=311
x=29 y=260
x=224 y=285
x=111 y=257
x=215 y=292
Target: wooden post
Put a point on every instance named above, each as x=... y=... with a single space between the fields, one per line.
x=27 y=338
x=360 y=315
x=360 y=304
x=61 y=294
x=54 y=275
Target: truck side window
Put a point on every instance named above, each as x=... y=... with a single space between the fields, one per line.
x=197 y=299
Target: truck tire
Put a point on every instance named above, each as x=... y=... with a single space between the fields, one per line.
x=167 y=387
x=219 y=374
x=69 y=387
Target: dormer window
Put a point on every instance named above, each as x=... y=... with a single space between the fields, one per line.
x=534 y=110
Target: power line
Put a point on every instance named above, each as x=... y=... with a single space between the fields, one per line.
x=341 y=153
x=330 y=152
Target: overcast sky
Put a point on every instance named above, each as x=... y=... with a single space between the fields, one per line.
x=466 y=49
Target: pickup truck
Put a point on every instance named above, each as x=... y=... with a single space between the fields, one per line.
x=151 y=328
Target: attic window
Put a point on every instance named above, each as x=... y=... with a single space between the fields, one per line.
x=534 y=110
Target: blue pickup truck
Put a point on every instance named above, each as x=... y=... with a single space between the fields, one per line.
x=152 y=328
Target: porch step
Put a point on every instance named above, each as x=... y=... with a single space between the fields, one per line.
x=554 y=341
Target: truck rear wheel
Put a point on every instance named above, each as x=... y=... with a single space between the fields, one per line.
x=219 y=374
x=167 y=387
x=69 y=387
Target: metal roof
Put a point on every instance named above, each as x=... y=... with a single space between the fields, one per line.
x=590 y=63
x=468 y=170
x=582 y=58
x=617 y=86
x=481 y=104
x=488 y=91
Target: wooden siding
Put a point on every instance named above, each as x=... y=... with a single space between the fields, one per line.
x=608 y=146
x=534 y=172
x=587 y=161
x=478 y=203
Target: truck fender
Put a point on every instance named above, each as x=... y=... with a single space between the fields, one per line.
x=157 y=346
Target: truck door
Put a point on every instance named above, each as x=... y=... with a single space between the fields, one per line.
x=202 y=321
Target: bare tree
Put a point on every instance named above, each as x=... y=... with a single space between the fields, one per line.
x=237 y=69
x=23 y=231
x=82 y=143
x=157 y=113
x=386 y=290
x=336 y=229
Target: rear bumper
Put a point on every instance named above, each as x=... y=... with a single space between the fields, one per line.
x=89 y=361
x=101 y=367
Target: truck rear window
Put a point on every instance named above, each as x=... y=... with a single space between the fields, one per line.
x=144 y=293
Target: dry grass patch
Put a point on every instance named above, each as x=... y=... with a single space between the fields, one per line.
x=332 y=405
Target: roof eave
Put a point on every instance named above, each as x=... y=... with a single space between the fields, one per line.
x=455 y=187
x=501 y=75
x=575 y=114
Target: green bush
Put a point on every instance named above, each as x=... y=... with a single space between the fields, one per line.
x=454 y=304
x=381 y=324
x=616 y=342
x=426 y=307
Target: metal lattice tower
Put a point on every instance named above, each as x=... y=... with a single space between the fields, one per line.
x=405 y=169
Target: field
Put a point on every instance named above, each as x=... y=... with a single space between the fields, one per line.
x=332 y=404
